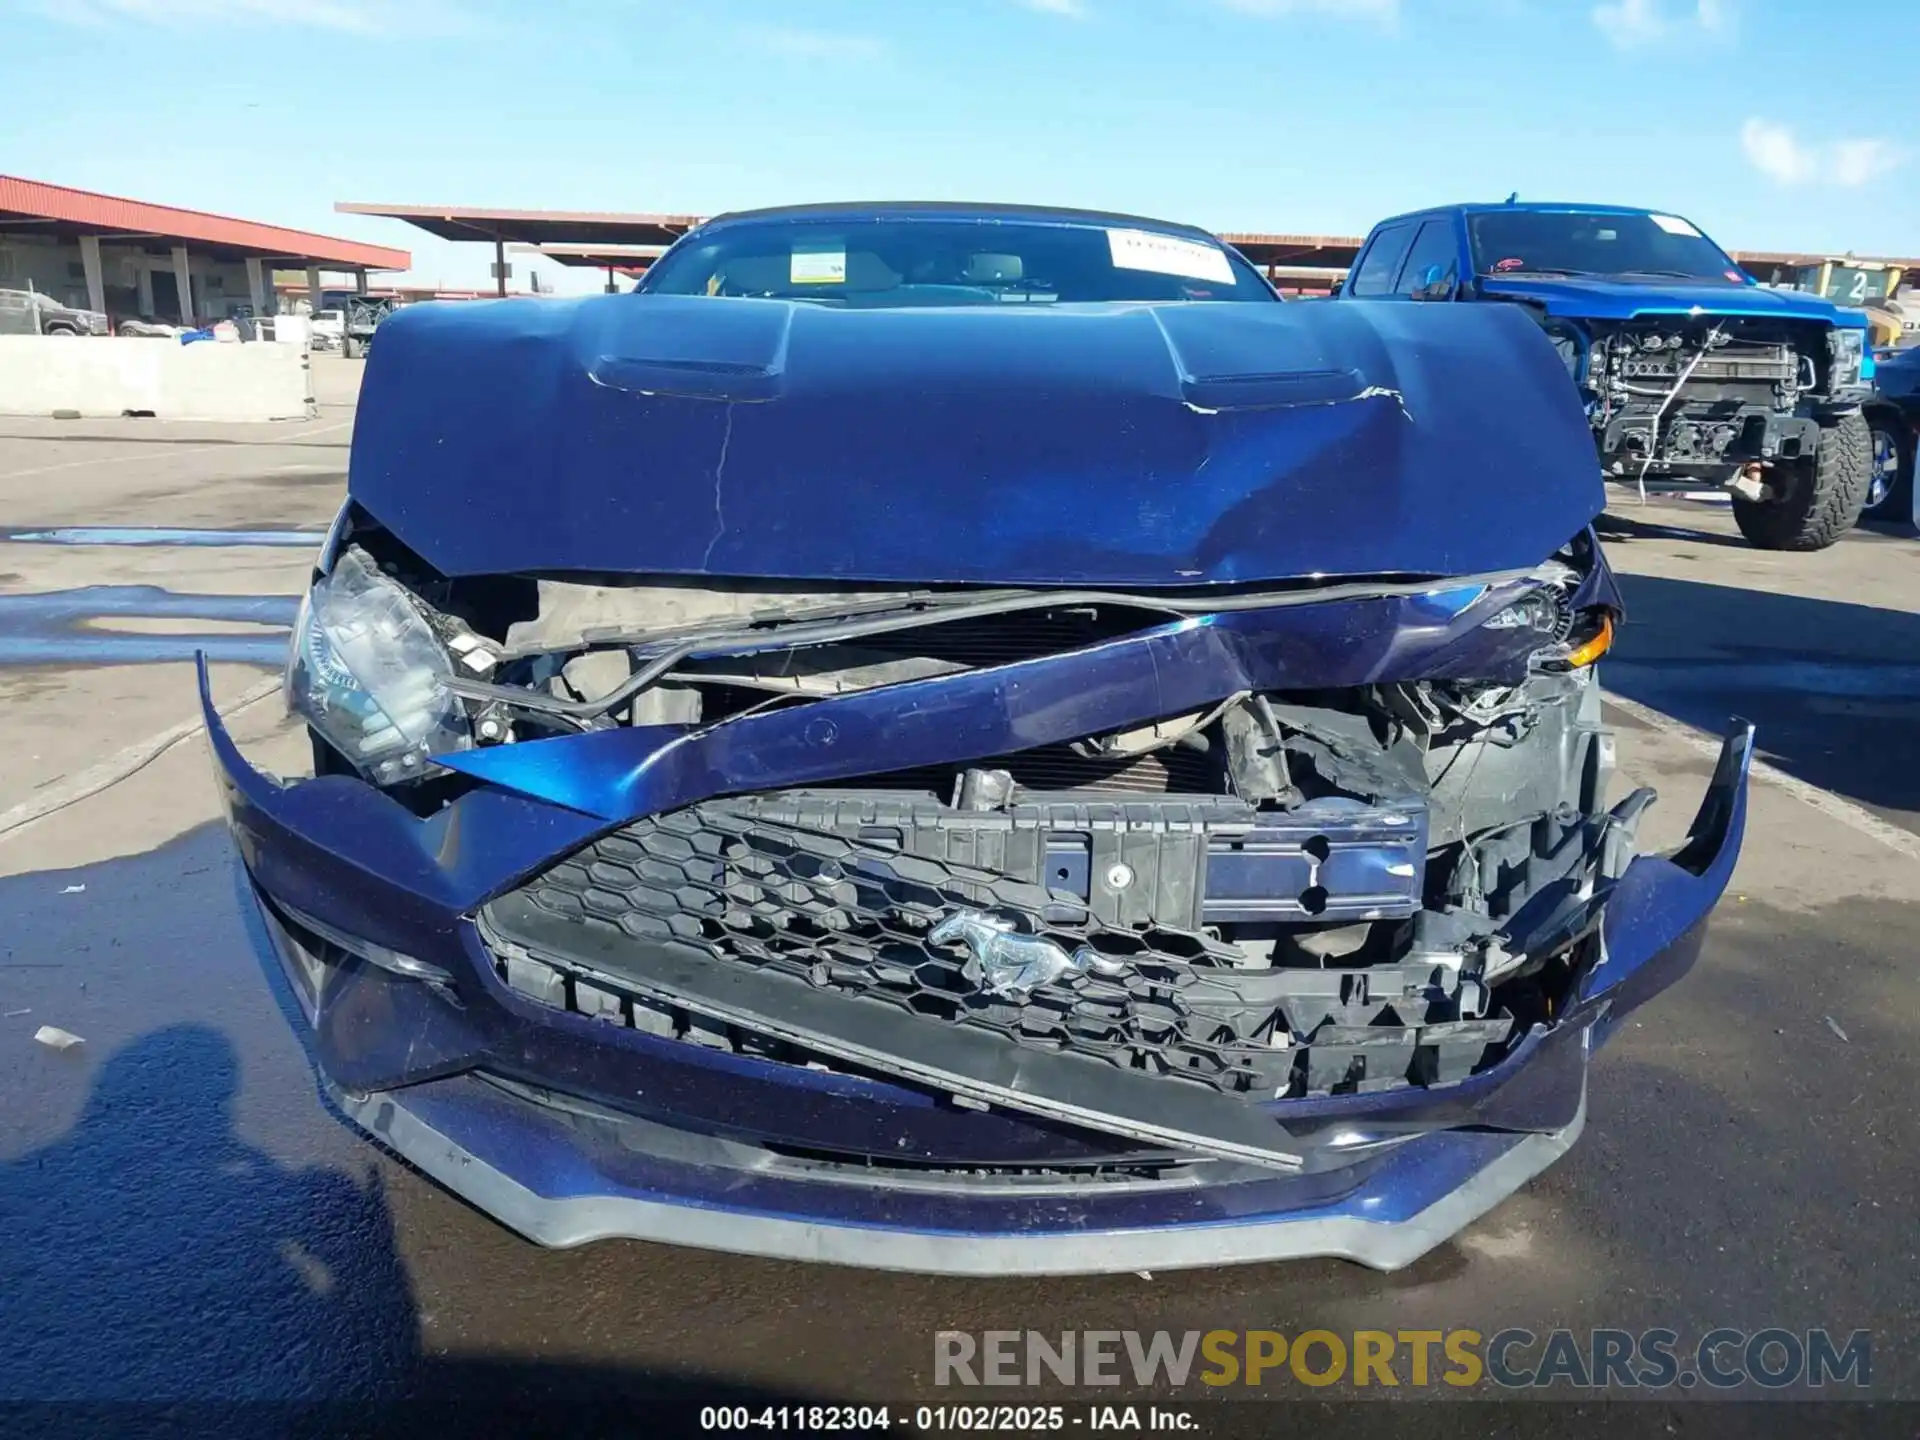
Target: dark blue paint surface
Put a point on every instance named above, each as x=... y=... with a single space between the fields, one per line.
x=66 y=627
x=1127 y=444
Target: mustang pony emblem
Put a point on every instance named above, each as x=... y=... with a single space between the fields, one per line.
x=1012 y=964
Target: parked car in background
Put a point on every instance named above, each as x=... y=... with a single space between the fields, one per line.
x=1893 y=418
x=968 y=739
x=1692 y=373
x=329 y=329
x=29 y=312
x=353 y=318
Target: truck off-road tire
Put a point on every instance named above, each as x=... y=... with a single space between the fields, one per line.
x=1826 y=496
x=1892 y=439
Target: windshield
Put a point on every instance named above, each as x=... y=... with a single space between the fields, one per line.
x=893 y=262
x=1585 y=242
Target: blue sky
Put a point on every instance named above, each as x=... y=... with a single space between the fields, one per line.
x=1772 y=123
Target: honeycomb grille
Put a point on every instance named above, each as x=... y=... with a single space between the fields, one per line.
x=856 y=919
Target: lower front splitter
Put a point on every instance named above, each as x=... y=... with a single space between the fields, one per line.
x=522 y=1164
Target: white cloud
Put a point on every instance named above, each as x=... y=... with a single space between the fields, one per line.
x=1072 y=9
x=1776 y=152
x=1384 y=12
x=1855 y=162
x=1630 y=24
x=1772 y=150
x=814 y=44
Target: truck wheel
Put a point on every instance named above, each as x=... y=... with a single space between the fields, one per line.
x=349 y=348
x=1825 y=497
x=1890 y=487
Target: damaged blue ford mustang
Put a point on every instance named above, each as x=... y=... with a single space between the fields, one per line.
x=969 y=740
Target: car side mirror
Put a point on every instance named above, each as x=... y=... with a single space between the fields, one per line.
x=1336 y=288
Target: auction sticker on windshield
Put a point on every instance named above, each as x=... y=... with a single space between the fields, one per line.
x=1674 y=225
x=818 y=267
x=1168 y=255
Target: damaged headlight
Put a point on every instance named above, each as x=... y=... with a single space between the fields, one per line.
x=1570 y=639
x=1545 y=611
x=368 y=673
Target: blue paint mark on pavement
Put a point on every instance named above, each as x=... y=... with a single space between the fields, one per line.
x=159 y=535
x=56 y=627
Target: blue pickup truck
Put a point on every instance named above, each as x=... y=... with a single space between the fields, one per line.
x=1692 y=373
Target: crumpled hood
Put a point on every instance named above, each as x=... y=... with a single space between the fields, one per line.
x=1127 y=445
x=1598 y=298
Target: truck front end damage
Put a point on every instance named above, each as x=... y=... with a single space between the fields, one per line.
x=1708 y=400
x=969 y=927
x=1710 y=387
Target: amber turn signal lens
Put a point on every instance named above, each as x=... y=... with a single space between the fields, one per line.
x=1596 y=645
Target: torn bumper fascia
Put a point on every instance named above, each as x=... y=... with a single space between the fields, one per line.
x=1389 y=1174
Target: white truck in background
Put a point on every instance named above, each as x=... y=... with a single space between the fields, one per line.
x=329 y=329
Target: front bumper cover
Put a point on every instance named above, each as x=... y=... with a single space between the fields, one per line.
x=568 y=1129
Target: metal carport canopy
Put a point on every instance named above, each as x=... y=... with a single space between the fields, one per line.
x=628 y=260
x=530 y=227
x=633 y=259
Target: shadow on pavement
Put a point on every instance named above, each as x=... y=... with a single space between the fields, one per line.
x=1612 y=526
x=151 y=1253
x=1615 y=526
x=178 y=1219
x=1833 y=687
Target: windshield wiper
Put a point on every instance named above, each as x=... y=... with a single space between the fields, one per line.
x=1675 y=275
x=1535 y=270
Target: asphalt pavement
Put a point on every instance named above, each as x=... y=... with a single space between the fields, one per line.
x=181 y=1216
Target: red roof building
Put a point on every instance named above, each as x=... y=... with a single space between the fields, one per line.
x=103 y=252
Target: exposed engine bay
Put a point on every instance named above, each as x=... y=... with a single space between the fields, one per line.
x=1284 y=893
x=1707 y=397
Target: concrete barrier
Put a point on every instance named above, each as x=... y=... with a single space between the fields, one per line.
x=107 y=377
x=288 y=330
